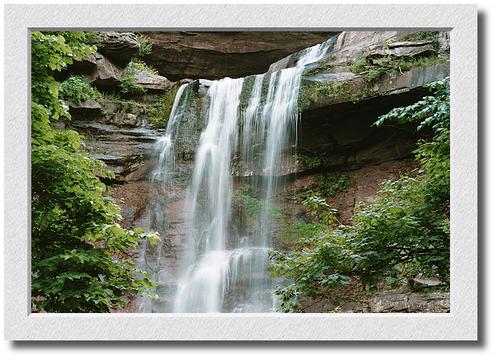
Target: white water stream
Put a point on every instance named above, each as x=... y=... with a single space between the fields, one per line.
x=224 y=268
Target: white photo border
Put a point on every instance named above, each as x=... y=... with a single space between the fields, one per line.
x=460 y=324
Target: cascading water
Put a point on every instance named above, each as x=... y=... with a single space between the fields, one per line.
x=224 y=265
x=165 y=144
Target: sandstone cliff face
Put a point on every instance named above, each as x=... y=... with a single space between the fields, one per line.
x=339 y=100
x=214 y=55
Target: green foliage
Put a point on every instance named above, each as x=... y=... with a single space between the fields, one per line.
x=327 y=185
x=312 y=93
x=302 y=234
x=330 y=185
x=312 y=161
x=138 y=65
x=359 y=65
x=78 y=89
x=158 y=115
x=319 y=208
x=245 y=200
x=391 y=65
x=314 y=271
x=432 y=111
x=403 y=230
x=128 y=86
x=145 y=48
x=78 y=260
x=53 y=51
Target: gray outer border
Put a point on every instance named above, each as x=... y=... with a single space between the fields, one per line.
x=460 y=324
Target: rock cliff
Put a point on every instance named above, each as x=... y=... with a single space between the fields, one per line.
x=214 y=55
x=364 y=75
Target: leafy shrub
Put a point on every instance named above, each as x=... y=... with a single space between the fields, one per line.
x=330 y=185
x=359 y=65
x=78 y=260
x=404 y=229
x=145 y=48
x=128 y=86
x=302 y=234
x=319 y=208
x=78 y=89
x=311 y=161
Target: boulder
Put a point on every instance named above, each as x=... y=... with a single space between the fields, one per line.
x=399 y=301
x=121 y=148
x=122 y=119
x=84 y=66
x=402 y=49
x=152 y=82
x=105 y=76
x=120 y=47
x=389 y=301
x=88 y=109
x=214 y=55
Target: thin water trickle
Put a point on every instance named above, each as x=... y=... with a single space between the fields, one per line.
x=165 y=143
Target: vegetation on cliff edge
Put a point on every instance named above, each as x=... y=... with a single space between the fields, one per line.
x=403 y=231
x=78 y=263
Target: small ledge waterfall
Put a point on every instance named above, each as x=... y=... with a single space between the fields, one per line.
x=223 y=267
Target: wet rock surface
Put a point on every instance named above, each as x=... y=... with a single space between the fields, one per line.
x=339 y=105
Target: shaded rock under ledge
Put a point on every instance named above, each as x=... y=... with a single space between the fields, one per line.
x=106 y=75
x=214 y=55
x=88 y=109
x=120 y=47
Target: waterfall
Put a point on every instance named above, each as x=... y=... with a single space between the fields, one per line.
x=165 y=144
x=224 y=264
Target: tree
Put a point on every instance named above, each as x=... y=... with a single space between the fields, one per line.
x=78 y=263
x=403 y=230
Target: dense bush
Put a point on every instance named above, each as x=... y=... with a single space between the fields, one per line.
x=78 y=89
x=78 y=263
x=404 y=229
